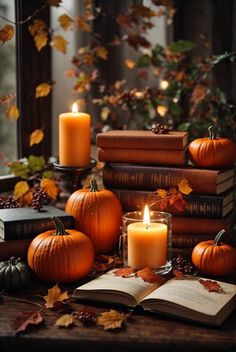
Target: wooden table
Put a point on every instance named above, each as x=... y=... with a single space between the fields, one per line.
x=141 y=332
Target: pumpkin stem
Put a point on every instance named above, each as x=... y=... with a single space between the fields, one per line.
x=212 y=133
x=93 y=185
x=59 y=226
x=218 y=237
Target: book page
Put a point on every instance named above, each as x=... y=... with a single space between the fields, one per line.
x=116 y=289
x=189 y=293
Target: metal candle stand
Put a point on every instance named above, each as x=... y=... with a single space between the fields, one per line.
x=72 y=177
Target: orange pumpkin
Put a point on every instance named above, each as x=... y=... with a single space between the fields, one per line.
x=97 y=213
x=214 y=258
x=61 y=255
x=212 y=152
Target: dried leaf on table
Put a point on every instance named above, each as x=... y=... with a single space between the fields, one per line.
x=55 y=295
x=65 y=321
x=36 y=137
x=42 y=90
x=112 y=319
x=23 y=319
x=148 y=275
x=49 y=187
x=211 y=286
x=124 y=272
x=6 y=33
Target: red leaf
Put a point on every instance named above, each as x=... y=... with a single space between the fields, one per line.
x=23 y=319
x=211 y=286
x=124 y=272
x=149 y=275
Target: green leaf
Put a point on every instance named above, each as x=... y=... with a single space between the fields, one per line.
x=181 y=46
x=143 y=61
x=175 y=109
x=36 y=163
x=184 y=126
x=19 y=169
x=47 y=174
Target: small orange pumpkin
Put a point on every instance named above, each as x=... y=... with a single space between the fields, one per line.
x=61 y=255
x=97 y=213
x=213 y=257
x=212 y=152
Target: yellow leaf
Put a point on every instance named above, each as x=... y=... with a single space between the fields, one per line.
x=65 y=21
x=13 y=112
x=42 y=90
x=83 y=24
x=54 y=295
x=161 y=193
x=6 y=33
x=111 y=320
x=104 y=113
x=20 y=189
x=101 y=52
x=184 y=187
x=49 y=187
x=36 y=137
x=59 y=43
x=130 y=63
x=65 y=321
x=41 y=39
x=37 y=26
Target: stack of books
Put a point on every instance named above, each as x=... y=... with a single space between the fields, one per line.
x=134 y=177
x=18 y=226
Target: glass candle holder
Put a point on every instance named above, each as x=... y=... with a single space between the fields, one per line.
x=147 y=245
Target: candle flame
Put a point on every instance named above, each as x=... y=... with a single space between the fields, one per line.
x=146 y=216
x=74 y=108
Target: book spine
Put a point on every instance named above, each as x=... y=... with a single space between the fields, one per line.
x=203 y=225
x=16 y=248
x=203 y=206
x=30 y=229
x=189 y=240
x=137 y=177
x=124 y=140
x=151 y=156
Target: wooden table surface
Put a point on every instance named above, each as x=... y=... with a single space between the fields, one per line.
x=142 y=332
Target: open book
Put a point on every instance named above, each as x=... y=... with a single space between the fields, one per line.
x=185 y=298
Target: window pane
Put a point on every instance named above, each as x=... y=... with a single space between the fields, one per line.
x=8 y=130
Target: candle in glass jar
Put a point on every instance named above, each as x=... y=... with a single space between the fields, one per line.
x=74 y=138
x=147 y=243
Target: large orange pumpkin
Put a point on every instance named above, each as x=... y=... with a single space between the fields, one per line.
x=61 y=255
x=212 y=152
x=213 y=257
x=97 y=213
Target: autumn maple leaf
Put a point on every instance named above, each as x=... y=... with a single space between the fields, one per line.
x=54 y=295
x=23 y=319
x=6 y=33
x=184 y=187
x=111 y=319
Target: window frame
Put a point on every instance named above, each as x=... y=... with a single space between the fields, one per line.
x=32 y=68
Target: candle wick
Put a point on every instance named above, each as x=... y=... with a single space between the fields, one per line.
x=147 y=227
